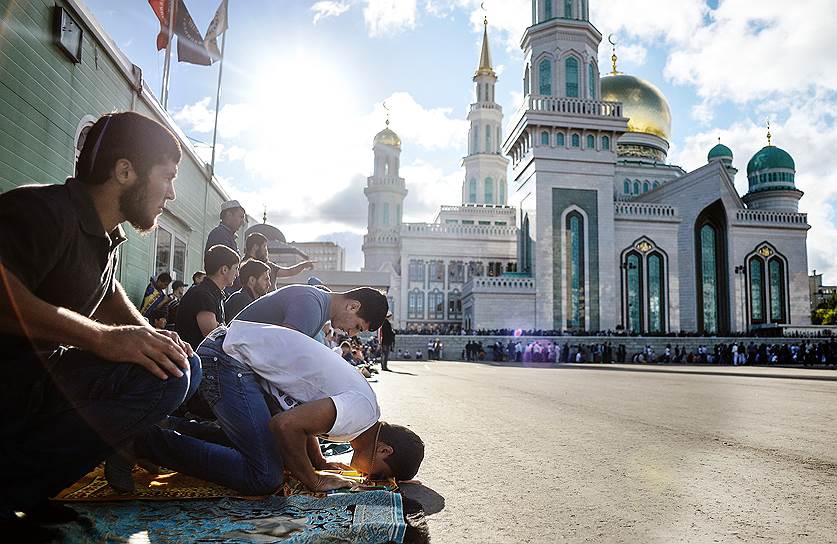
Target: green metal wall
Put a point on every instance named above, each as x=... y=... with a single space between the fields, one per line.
x=43 y=98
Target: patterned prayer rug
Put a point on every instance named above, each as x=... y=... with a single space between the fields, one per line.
x=365 y=517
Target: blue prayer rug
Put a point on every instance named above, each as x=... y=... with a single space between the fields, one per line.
x=368 y=517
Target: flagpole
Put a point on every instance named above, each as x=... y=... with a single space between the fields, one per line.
x=164 y=94
x=217 y=104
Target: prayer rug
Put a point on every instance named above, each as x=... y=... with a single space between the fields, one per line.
x=170 y=485
x=366 y=517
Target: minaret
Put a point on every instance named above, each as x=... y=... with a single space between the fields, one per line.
x=485 y=166
x=385 y=191
x=563 y=163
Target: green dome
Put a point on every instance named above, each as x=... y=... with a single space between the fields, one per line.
x=770 y=157
x=720 y=151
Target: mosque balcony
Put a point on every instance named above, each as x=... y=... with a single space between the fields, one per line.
x=573 y=106
x=385 y=181
x=771 y=218
x=486 y=106
x=639 y=210
x=459 y=231
x=479 y=209
x=499 y=284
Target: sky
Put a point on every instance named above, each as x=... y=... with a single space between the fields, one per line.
x=305 y=83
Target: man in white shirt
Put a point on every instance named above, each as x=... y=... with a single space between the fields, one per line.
x=320 y=395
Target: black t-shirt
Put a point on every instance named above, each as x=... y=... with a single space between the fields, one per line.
x=52 y=240
x=204 y=297
x=237 y=302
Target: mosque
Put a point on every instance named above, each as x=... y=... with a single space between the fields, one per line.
x=603 y=233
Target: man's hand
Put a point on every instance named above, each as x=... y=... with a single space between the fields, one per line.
x=179 y=341
x=334 y=466
x=144 y=346
x=327 y=482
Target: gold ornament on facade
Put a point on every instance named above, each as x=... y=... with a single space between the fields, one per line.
x=644 y=246
x=765 y=251
x=643 y=104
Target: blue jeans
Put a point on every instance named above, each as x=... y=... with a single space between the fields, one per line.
x=253 y=464
x=62 y=417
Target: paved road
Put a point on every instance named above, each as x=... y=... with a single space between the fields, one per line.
x=586 y=455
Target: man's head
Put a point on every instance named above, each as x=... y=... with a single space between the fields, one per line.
x=233 y=215
x=345 y=346
x=361 y=309
x=255 y=275
x=178 y=288
x=255 y=246
x=221 y=264
x=398 y=453
x=158 y=319
x=198 y=277
x=136 y=157
x=163 y=281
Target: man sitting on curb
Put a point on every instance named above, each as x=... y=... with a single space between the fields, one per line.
x=323 y=397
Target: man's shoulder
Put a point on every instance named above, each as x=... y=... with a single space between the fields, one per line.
x=41 y=201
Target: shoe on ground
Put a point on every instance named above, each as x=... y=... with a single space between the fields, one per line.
x=118 y=473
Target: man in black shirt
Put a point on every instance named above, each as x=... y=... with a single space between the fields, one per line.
x=233 y=218
x=255 y=281
x=202 y=308
x=64 y=409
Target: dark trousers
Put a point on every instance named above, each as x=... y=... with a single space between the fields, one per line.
x=62 y=417
x=385 y=356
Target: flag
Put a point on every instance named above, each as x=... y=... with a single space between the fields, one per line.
x=217 y=27
x=162 y=11
x=190 y=46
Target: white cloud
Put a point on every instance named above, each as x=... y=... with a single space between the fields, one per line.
x=328 y=8
x=648 y=20
x=429 y=187
x=389 y=17
x=429 y=128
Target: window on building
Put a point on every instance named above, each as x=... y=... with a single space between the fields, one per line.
x=451 y=221
x=415 y=304
x=776 y=273
x=568 y=9
x=488 y=148
x=571 y=73
x=636 y=187
x=501 y=223
x=574 y=270
x=476 y=269
x=385 y=216
x=437 y=272
x=626 y=187
x=372 y=220
x=656 y=293
x=170 y=252
x=489 y=191
x=591 y=141
x=655 y=184
x=416 y=270
x=472 y=191
x=495 y=268
x=544 y=138
x=502 y=199
x=467 y=221
x=646 y=187
x=591 y=81
x=709 y=277
x=576 y=140
x=454 y=305
x=475 y=138
x=499 y=139
x=606 y=143
x=633 y=280
x=526 y=81
x=456 y=272
x=757 y=290
x=485 y=222
x=547 y=10
x=436 y=304
x=559 y=139
x=545 y=77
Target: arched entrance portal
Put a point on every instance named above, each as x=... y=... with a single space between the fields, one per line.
x=712 y=287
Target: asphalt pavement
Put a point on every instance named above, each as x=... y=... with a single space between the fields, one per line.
x=518 y=454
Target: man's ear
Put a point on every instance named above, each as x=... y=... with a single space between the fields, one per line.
x=383 y=450
x=123 y=171
x=353 y=306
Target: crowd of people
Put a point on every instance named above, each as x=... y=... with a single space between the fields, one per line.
x=229 y=379
x=456 y=330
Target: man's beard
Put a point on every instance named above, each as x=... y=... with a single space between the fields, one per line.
x=133 y=206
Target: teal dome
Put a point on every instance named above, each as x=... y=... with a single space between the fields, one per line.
x=770 y=157
x=720 y=151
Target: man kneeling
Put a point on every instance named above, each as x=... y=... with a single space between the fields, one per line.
x=319 y=395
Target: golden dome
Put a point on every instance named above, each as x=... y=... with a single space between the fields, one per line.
x=388 y=137
x=642 y=103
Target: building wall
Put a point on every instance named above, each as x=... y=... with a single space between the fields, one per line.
x=44 y=97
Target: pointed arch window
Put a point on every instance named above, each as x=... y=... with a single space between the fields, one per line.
x=757 y=290
x=475 y=138
x=645 y=187
x=526 y=81
x=415 y=304
x=656 y=293
x=574 y=270
x=571 y=73
x=591 y=81
x=776 y=275
x=633 y=281
x=545 y=77
x=386 y=214
x=568 y=9
x=547 y=10
x=606 y=144
x=472 y=191
x=576 y=140
x=489 y=191
x=488 y=138
x=559 y=139
x=767 y=292
x=502 y=199
x=636 y=187
x=544 y=138
x=591 y=141
x=626 y=187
